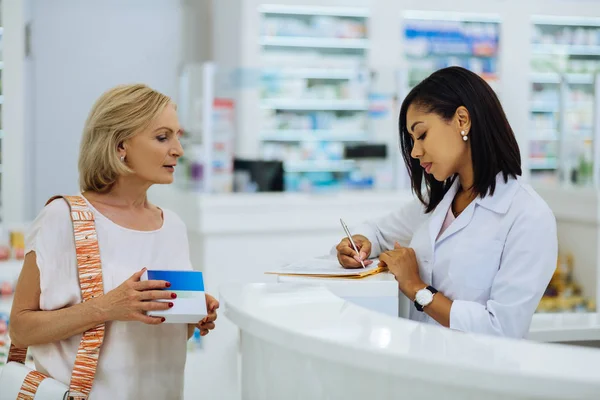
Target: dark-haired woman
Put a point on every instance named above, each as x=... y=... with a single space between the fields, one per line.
x=477 y=248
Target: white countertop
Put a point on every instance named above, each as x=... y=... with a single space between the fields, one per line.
x=228 y=213
x=565 y=327
x=311 y=319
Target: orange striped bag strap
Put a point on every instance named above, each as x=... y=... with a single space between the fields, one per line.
x=90 y=281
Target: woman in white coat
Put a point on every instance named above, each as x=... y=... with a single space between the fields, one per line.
x=477 y=250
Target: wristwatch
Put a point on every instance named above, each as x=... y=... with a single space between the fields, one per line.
x=424 y=297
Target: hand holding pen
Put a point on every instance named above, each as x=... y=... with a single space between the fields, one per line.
x=354 y=250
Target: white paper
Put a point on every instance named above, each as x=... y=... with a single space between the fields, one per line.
x=323 y=266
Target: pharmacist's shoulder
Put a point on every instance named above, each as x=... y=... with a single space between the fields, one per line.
x=529 y=203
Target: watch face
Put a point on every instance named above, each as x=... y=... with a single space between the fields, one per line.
x=424 y=297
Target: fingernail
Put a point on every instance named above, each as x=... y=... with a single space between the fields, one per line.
x=170 y=305
x=173 y=295
x=168 y=284
x=363 y=255
x=162 y=319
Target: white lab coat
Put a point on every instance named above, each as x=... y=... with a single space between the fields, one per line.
x=494 y=261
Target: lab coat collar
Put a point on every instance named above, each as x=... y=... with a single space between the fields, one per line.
x=498 y=203
x=503 y=195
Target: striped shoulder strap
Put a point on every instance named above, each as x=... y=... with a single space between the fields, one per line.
x=90 y=281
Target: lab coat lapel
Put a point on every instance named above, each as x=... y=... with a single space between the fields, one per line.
x=439 y=214
x=460 y=222
x=435 y=224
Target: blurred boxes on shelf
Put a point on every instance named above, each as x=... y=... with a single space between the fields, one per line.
x=563 y=293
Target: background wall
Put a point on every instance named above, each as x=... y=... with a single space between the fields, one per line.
x=79 y=50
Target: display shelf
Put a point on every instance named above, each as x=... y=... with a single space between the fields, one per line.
x=451 y=16
x=542 y=163
x=319 y=166
x=309 y=11
x=314 y=105
x=569 y=50
x=544 y=108
x=548 y=134
x=296 y=135
x=565 y=61
x=314 y=87
x=582 y=79
x=310 y=73
x=309 y=42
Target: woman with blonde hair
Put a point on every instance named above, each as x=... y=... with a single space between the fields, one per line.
x=130 y=142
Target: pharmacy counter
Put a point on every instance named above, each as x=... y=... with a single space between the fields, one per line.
x=304 y=341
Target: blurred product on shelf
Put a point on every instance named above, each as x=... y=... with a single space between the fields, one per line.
x=434 y=44
x=12 y=245
x=17 y=242
x=4 y=253
x=563 y=294
x=4 y=339
x=317 y=26
x=566 y=35
x=207 y=165
x=335 y=123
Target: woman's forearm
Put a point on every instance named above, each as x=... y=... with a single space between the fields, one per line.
x=28 y=327
x=439 y=309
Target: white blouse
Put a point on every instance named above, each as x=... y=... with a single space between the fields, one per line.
x=137 y=361
x=494 y=260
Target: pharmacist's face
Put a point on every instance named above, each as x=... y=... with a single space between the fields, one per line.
x=153 y=153
x=437 y=144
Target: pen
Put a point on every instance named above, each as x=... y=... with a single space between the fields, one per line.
x=352 y=241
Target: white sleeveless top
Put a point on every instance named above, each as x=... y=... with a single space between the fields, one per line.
x=137 y=361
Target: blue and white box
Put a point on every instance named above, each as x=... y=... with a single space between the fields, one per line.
x=190 y=305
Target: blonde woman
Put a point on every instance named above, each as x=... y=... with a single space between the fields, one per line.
x=130 y=142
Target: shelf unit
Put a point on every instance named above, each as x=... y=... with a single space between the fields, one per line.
x=564 y=91
x=314 y=90
x=435 y=40
x=9 y=273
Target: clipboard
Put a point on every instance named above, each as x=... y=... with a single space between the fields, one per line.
x=327 y=267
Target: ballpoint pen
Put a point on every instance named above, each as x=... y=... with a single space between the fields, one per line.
x=352 y=242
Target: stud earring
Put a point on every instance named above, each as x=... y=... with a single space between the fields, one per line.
x=122 y=158
x=464 y=135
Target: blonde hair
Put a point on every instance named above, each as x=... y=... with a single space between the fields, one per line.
x=118 y=115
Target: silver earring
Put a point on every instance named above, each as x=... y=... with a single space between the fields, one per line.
x=464 y=135
x=122 y=158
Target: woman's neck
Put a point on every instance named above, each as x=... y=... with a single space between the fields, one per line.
x=126 y=193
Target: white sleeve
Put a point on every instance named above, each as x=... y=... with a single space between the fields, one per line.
x=526 y=267
x=397 y=226
x=50 y=236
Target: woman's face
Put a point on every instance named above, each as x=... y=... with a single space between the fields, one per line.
x=153 y=153
x=438 y=144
